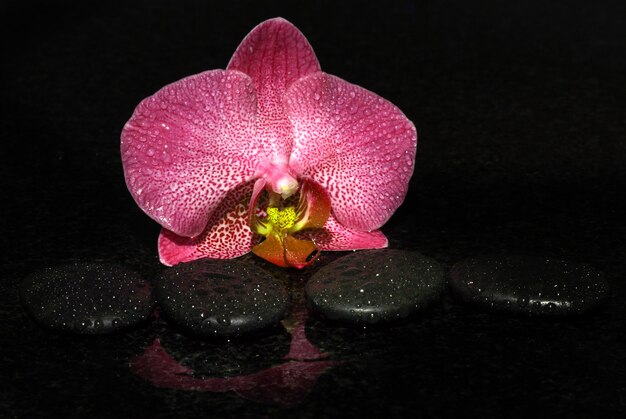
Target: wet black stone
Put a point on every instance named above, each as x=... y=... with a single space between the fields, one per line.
x=221 y=297
x=87 y=298
x=375 y=286
x=528 y=284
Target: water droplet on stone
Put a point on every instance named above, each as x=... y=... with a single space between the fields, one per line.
x=375 y=286
x=79 y=297
x=538 y=285
x=227 y=291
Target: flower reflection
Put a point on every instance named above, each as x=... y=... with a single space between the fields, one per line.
x=286 y=384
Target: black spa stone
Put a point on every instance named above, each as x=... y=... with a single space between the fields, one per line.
x=375 y=286
x=87 y=298
x=221 y=297
x=528 y=284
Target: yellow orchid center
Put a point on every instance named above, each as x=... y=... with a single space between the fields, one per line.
x=282 y=220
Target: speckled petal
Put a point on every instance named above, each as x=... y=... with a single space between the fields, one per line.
x=227 y=234
x=190 y=143
x=314 y=205
x=274 y=54
x=357 y=145
x=335 y=236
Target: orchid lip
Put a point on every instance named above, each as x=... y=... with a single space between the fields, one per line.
x=282 y=220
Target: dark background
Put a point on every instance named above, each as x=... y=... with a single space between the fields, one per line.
x=520 y=112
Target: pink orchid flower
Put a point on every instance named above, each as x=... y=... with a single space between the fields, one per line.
x=270 y=147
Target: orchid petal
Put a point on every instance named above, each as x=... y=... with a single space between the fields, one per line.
x=274 y=54
x=299 y=253
x=271 y=249
x=335 y=236
x=259 y=185
x=190 y=143
x=357 y=145
x=227 y=235
x=286 y=251
x=314 y=206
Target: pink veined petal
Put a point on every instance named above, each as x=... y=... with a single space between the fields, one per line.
x=257 y=188
x=335 y=236
x=274 y=54
x=187 y=145
x=357 y=145
x=227 y=235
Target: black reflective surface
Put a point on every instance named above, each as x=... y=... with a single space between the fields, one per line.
x=519 y=109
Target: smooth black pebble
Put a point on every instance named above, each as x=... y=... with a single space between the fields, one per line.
x=225 y=298
x=87 y=298
x=528 y=284
x=375 y=286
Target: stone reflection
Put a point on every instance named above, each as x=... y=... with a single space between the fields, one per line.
x=286 y=384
